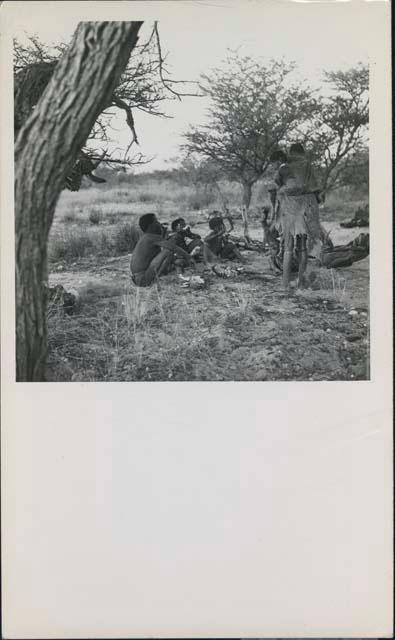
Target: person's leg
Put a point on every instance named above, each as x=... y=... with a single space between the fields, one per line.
x=287 y=261
x=179 y=264
x=196 y=242
x=237 y=253
x=231 y=252
x=159 y=265
x=209 y=256
x=302 y=259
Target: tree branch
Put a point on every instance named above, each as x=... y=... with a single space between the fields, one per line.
x=129 y=116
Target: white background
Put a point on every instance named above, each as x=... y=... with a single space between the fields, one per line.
x=202 y=509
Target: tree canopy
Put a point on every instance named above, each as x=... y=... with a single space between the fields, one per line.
x=257 y=107
x=143 y=86
x=254 y=106
x=337 y=133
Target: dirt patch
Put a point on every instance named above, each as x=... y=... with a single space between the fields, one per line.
x=240 y=329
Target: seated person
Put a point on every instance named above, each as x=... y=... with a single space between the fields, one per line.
x=217 y=243
x=180 y=231
x=153 y=255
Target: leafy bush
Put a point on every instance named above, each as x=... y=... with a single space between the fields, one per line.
x=105 y=244
x=146 y=197
x=125 y=238
x=95 y=217
x=69 y=217
x=200 y=200
x=71 y=247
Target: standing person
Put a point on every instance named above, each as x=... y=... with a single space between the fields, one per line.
x=277 y=159
x=153 y=256
x=298 y=197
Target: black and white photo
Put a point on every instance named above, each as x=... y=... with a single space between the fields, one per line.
x=199 y=219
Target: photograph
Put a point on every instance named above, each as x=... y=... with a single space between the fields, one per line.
x=186 y=192
x=199 y=217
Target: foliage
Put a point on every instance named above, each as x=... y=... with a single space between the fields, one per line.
x=95 y=217
x=255 y=106
x=356 y=171
x=124 y=238
x=337 y=134
x=144 y=86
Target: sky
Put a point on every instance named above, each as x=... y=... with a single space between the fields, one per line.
x=196 y=35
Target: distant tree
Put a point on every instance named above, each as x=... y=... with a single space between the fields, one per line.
x=202 y=174
x=356 y=172
x=253 y=108
x=337 y=134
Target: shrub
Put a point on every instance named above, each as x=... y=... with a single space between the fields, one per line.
x=112 y=218
x=95 y=217
x=146 y=197
x=71 y=247
x=69 y=217
x=125 y=238
x=200 y=200
x=105 y=244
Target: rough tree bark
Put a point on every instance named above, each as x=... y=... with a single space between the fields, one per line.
x=247 y=194
x=45 y=151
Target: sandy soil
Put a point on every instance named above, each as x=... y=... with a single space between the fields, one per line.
x=241 y=328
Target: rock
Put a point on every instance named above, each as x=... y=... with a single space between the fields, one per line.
x=353 y=337
x=353 y=312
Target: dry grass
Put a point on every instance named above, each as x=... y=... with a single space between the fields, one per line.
x=234 y=330
x=143 y=335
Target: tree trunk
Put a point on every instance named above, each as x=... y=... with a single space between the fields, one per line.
x=45 y=151
x=247 y=193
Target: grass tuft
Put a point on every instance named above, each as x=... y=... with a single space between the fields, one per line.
x=95 y=217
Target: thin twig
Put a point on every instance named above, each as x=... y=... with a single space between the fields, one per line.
x=166 y=83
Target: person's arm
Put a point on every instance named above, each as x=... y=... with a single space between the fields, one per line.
x=189 y=234
x=273 y=196
x=215 y=234
x=171 y=246
x=281 y=176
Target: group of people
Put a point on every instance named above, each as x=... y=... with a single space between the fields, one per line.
x=161 y=251
x=295 y=198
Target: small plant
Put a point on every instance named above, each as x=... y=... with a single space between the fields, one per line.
x=194 y=203
x=125 y=238
x=69 y=217
x=95 y=217
x=71 y=247
x=339 y=285
x=112 y=218
x=146 y=197
x=136 y=306
x=106 y=247
x=200 y=200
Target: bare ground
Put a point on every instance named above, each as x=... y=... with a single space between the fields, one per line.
x=236 y=329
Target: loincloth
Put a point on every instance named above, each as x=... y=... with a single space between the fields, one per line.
x=299 y=216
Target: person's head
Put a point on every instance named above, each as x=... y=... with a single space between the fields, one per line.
x=296 y=149
x=216 y=223
x=178 y=225
x=278 y=157
x=149 y=223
